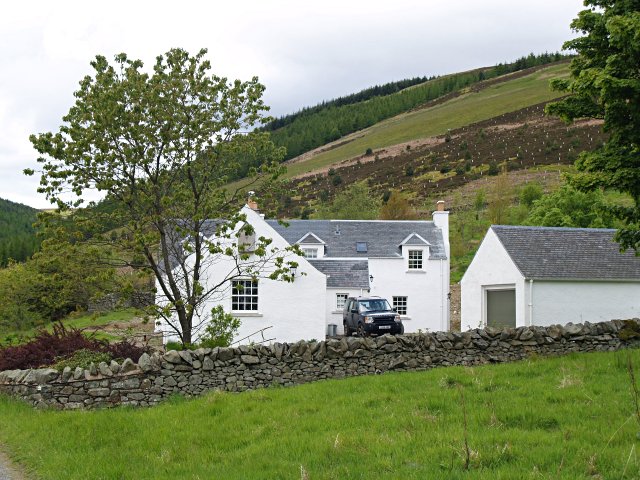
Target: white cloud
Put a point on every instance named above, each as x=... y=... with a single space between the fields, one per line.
x=304 y=52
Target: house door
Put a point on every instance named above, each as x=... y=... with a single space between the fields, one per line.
x=501 y=308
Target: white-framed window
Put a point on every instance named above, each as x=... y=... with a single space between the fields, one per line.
x=310 y=252
x=415 y=259
x=244 y=295
x=341 y=299
x=400 y=305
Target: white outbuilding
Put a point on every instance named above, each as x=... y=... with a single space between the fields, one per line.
x=522 y=276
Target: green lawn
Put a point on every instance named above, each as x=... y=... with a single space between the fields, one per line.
x=567 y=417
x=458 y=112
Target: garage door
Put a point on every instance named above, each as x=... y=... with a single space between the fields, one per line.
x=501 y=308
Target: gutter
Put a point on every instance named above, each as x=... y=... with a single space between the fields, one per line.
x=530 y=301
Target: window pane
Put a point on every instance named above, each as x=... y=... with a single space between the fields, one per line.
x=400 y=305
x=341 y=299
x=244 y=295
x=415 y=259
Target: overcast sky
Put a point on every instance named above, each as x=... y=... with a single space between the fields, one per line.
x=304 y=52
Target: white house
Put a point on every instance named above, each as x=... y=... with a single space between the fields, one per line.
x=523 y=276
x=406 y=262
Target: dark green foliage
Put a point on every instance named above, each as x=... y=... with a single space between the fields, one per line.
x=336 y=180
x=460 y=170
x=18 y=238
x=605 y=84
x=355 y=203
x=315 y=126
x=409 y=171
x=493 y=169
x=445 y=169
x=369 y=151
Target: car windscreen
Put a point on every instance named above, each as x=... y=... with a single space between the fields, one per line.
x=374 y=305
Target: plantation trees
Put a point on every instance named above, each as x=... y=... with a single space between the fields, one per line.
x=162 y=146
x=605 y=83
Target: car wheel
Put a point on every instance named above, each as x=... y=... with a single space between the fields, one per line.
x=347 y=330
x=361 y=331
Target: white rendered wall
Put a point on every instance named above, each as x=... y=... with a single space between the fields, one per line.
x=491 y=267
x=427 y=289
x=560 y=302
x=294 y=310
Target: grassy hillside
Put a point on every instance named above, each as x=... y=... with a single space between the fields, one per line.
x=17 y=236
x=315 y=126
x=565 y=417
x=471 y=107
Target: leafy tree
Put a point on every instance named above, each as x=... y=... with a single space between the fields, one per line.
x=499 y=199
x=605 y=83
x=355 y=203
x=568 y=207
x=530 y=193
x=162 y=146
x=397 y=208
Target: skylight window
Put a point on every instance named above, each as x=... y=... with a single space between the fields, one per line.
x=361 y=247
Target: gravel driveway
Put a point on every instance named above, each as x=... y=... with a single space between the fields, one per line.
x=7 y=472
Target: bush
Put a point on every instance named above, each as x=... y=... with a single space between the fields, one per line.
x=409 y=171
x=221 y=329
x=493 y=169
x=47 y=348
x=336 y=180
x=82 y=358
x=368 y=152
x=445 y=169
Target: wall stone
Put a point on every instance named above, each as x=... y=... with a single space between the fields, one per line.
x=112 y=301
x=190 y=373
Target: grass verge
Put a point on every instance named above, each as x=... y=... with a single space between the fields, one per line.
x=565 y=417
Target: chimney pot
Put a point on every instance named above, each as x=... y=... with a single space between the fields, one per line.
x=440 y=206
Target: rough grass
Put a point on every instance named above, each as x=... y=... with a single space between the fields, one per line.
x=78 y=320
x=464 y=110
x=567 y=417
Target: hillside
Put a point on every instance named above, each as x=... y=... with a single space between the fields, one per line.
x=315 y=126
x=433 y=166
x=17 y=235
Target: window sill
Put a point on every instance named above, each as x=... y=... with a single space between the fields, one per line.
x=415 y=271
x=246 y=314
x=336 y=312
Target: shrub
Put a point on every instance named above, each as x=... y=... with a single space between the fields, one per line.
x=493 y=169
x=445 y=169
x=47 y=348
x=336 y=180
x=82 y=358
x=409 y=171
x=221 y=329
x=368 y=151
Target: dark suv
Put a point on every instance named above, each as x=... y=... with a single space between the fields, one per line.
x=367 y=315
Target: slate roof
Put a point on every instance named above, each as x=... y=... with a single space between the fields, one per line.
x=567 y=253
x=383 y=237
x=344 y=273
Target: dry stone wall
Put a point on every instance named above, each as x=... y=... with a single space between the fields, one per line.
x=158 y=376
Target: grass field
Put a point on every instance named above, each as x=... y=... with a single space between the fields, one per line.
x=80 y=321
x=566 y=417
x=466 y=109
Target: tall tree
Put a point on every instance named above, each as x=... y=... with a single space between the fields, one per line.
x=605 y=84
x=162 y=146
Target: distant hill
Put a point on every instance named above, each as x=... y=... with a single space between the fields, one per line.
x=17 y=236
x=314 y=126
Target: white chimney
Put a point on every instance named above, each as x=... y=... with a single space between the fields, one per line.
x=441 y=220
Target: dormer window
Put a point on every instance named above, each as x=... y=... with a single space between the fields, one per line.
x=310 y=252
x=415 y=259
x=361 y=247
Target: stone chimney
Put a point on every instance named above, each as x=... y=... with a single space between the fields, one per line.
x=441 y=220
x=251 y=201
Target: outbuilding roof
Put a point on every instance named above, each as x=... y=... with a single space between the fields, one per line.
x=383 y=237
x=567 y=253
x=344 y=273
